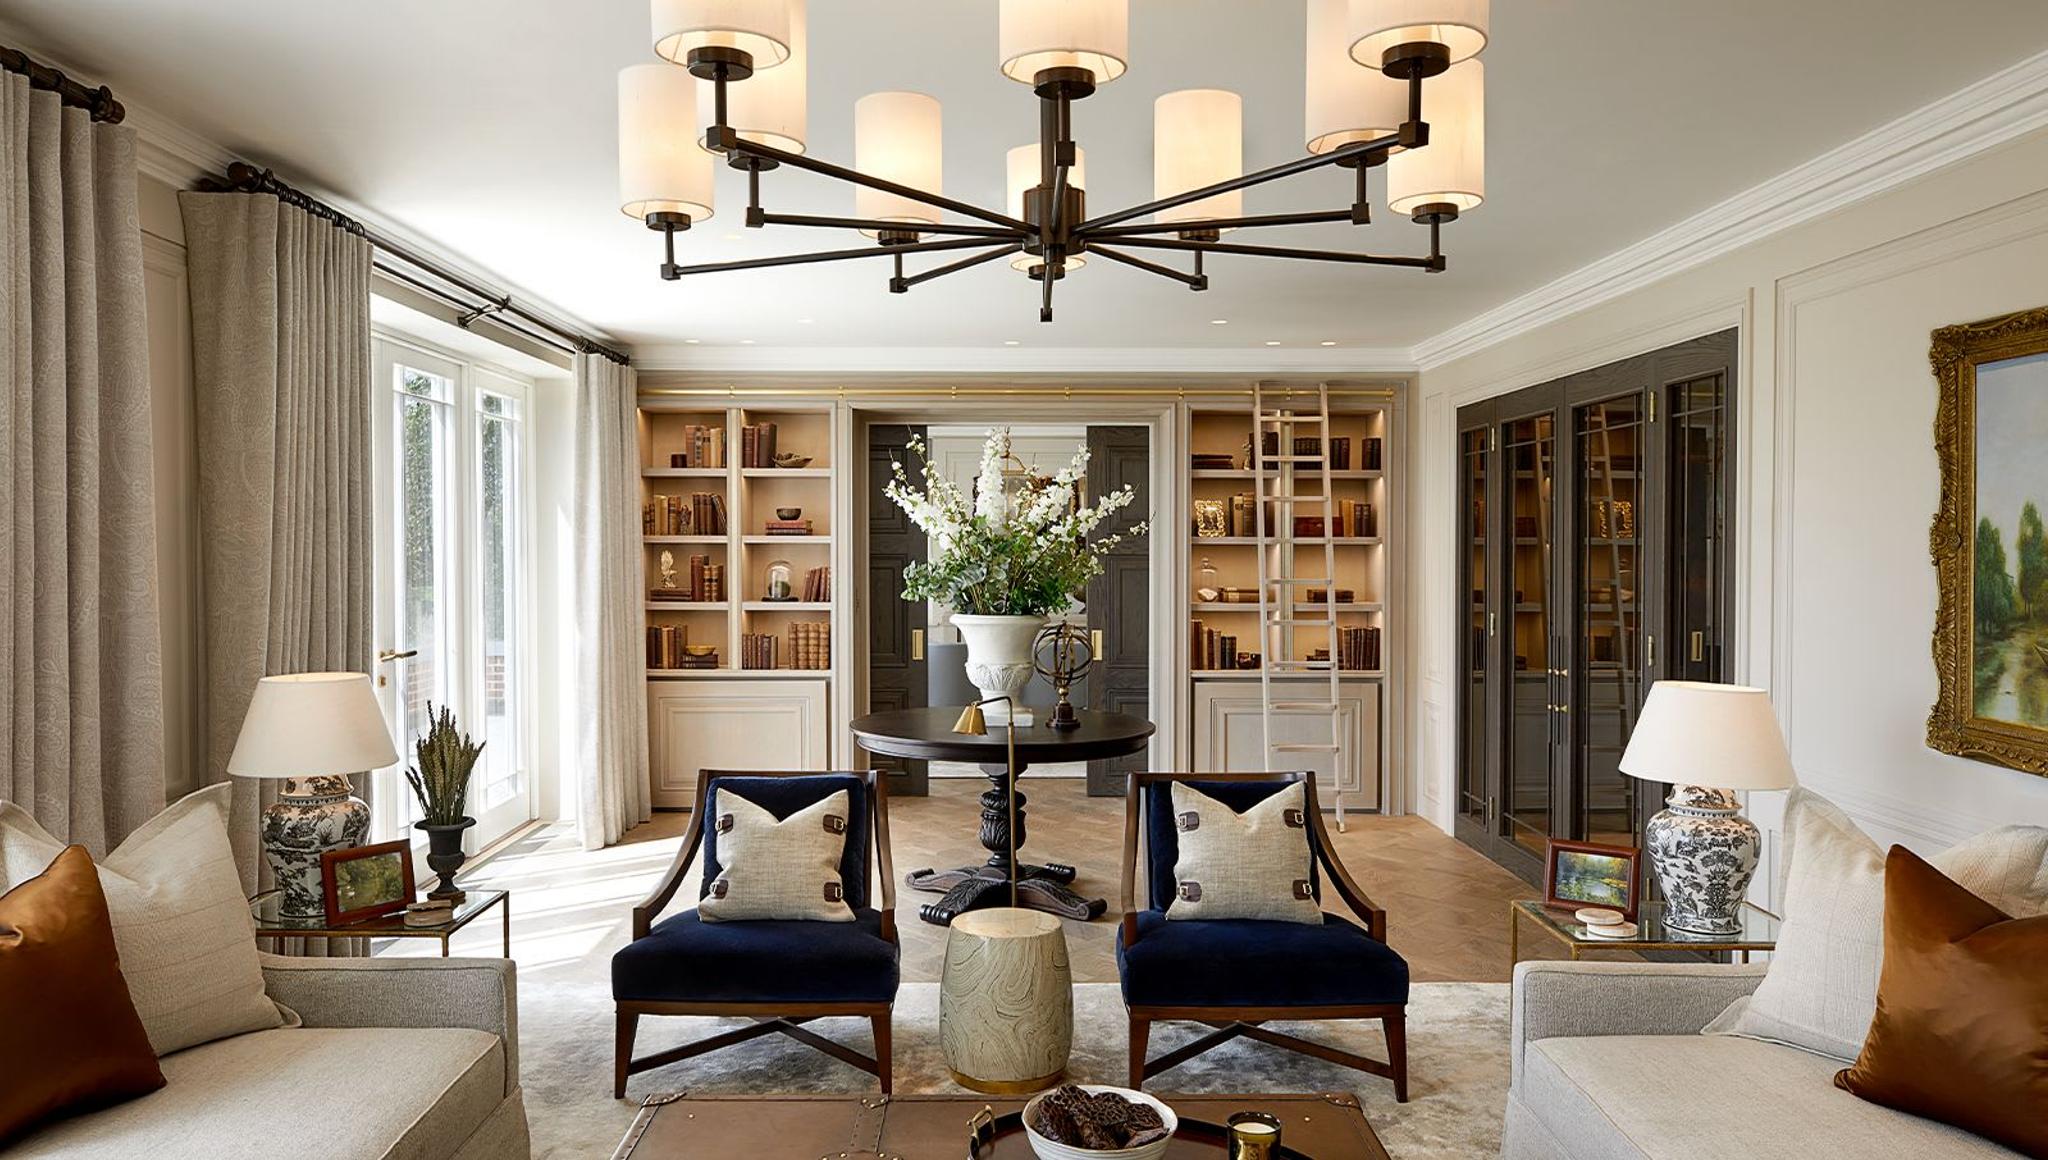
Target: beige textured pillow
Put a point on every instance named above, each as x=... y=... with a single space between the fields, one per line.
x=1256 y=864
x=1820 y=992
x=181 y=923
x=778 y=870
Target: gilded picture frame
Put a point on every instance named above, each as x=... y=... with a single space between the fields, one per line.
x=1991 y=638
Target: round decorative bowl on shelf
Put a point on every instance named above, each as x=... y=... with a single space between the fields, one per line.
x=794 y=513
x=792 y=461
x=1054 y=1150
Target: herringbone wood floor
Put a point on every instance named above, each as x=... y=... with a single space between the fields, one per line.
x=1447 y=907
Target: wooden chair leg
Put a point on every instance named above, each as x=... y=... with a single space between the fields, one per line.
x=1396 y=1027
x=885 y=1067
x=1141 y=1034
x=629 y=1023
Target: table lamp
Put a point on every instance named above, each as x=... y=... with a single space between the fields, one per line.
x=1707 y=741
x=312 y=730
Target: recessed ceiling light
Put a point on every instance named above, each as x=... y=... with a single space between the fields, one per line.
x=1272 y=342
x=805 y=321
x=1327 y=342
x=732 y=237
x=1219 y=322
x=692 y=341
x=746 y=342
x=1009 y=342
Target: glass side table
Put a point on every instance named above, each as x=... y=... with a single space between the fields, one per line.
x=272 y=925
x=1759 y=932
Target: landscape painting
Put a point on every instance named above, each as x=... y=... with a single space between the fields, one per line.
x=1989 y=540
x=1589 y=874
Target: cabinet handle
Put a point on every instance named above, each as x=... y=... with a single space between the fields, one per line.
x=917 y=644
x=1095 y=643
x=1699 y=646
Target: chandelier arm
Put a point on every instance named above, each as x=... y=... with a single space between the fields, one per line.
x=1108 y=233
x=1259 y=177
x=1000 y=233
x=1192 y=281
x=832 y=256
x=901 y=283
x=1434 y=262
x=1046 y=279
x=731 y=141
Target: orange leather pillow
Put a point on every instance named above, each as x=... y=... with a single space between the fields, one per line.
x=70 y=1040
x=1961 y=1033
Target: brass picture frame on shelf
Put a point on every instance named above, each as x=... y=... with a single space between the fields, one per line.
x=1212 y=519
x=1991 y=619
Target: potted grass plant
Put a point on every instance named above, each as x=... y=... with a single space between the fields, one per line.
x=440 y=780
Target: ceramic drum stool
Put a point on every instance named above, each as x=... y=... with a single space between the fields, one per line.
x=1006 y=1006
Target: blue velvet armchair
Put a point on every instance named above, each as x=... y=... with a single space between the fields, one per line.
x=1238 y=974
x=781 y=974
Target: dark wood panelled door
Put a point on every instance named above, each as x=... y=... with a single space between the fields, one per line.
x=1120 y=600
x=896 y=627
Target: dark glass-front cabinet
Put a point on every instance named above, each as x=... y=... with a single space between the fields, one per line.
x=1593 y=559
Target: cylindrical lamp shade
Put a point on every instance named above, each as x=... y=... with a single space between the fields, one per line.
x=758 y=27
x=898 y=137
x=1198 y=140
x=1378 y=25
x=661 y=170
x=1024 y=172
x=1709 y=735
x=1006 y=1001
x=313 y=725
x=1451 y=169
x=1035 y=35
x=770 y=108
x=1345 y=103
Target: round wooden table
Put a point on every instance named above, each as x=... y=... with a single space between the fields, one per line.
x=928 y=734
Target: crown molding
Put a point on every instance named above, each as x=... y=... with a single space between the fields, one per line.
x=981 y=360
x=2002 y=107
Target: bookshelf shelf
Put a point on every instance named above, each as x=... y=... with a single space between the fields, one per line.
x=683 y=473
x=1343 y=675
x=785 y=473
x=787 y=606
x=1304 y=541
x=688 y=605
x=683 y=539
x=755 y=541
x=1225 y=608
x=1305 y=473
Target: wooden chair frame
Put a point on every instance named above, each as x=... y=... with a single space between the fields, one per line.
x=1231 y=1022
x=771 y=1018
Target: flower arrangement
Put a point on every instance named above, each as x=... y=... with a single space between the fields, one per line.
x=1004 y=554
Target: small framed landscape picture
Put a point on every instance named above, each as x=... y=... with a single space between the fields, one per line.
x=1588 y=874
x=366 y=881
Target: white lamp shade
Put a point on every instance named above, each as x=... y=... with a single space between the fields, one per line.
x=1452 y=167
x=1034 y=35
x=313 y=725
x=1378 y=25
x=1023 y=173
x=898 y=137
x=1345 y=102
x=758 y=27
x=1714 y=736
x=1197 y=140
x=661 y=170
x=769 y=108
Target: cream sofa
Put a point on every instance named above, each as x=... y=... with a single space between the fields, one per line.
x=400 y=1058
x=1608 y=1064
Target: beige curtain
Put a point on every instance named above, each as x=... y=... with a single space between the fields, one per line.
x=81 y=682
x=611 y=654
x=281 y=372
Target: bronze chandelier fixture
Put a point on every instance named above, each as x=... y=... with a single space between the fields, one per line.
x=1367 y=65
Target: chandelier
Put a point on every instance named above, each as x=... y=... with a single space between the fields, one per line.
x=731 y=81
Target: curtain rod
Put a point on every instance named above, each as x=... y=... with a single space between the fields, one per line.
x=474 y=301
x=99 y=102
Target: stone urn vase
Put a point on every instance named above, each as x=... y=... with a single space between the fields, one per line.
x=999 y=656
x=445 y=856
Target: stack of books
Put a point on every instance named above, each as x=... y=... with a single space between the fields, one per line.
x=1358 y=649
x=665 y=645
x=703 y=446
x=1210 y=649
x=757 y=445
x=1373 y=452
x=789 y=527
x=758 y=650
x=810 y=645
x=1212 y=461
x=1340 y=453
x=1322 y=596
x=818 y=585
x=1356 y=518
x=699 y=514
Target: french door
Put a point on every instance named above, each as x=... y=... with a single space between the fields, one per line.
x=454 y=574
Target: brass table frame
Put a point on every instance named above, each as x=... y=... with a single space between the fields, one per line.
x=1551 y=922
x=393 y=925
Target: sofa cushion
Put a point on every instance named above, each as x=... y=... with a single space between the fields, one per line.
x=686 y=960
x=1679 y=1097
x=1243 y=962
x=401 y=1093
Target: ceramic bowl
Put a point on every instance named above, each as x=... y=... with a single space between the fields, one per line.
x=1051 y=1150
x=788 y=513
x=700 y=650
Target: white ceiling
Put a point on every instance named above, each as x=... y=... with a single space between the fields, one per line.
x=488 y=126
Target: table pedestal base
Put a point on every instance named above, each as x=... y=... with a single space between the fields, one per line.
x=978 y=887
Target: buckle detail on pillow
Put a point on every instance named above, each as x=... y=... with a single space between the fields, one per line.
x=834 y=824
x=725 y=823
x=719 y=888
x=834 y=892
x=1191 y=892
x=1303 y=890
x=1294 y=818
x=1188 y=822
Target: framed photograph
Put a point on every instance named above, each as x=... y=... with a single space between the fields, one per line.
x=1579 y=874
x=1212 y=518
x=1989 y=544
x=366 y=881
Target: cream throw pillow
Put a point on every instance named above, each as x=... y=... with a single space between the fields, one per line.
x=1250 y=865
x=181 y=922
x=778 y=870
x=1820 y=991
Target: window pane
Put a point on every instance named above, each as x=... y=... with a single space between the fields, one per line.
x=425 y=564
x=498 y=525
x=1609 y=612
